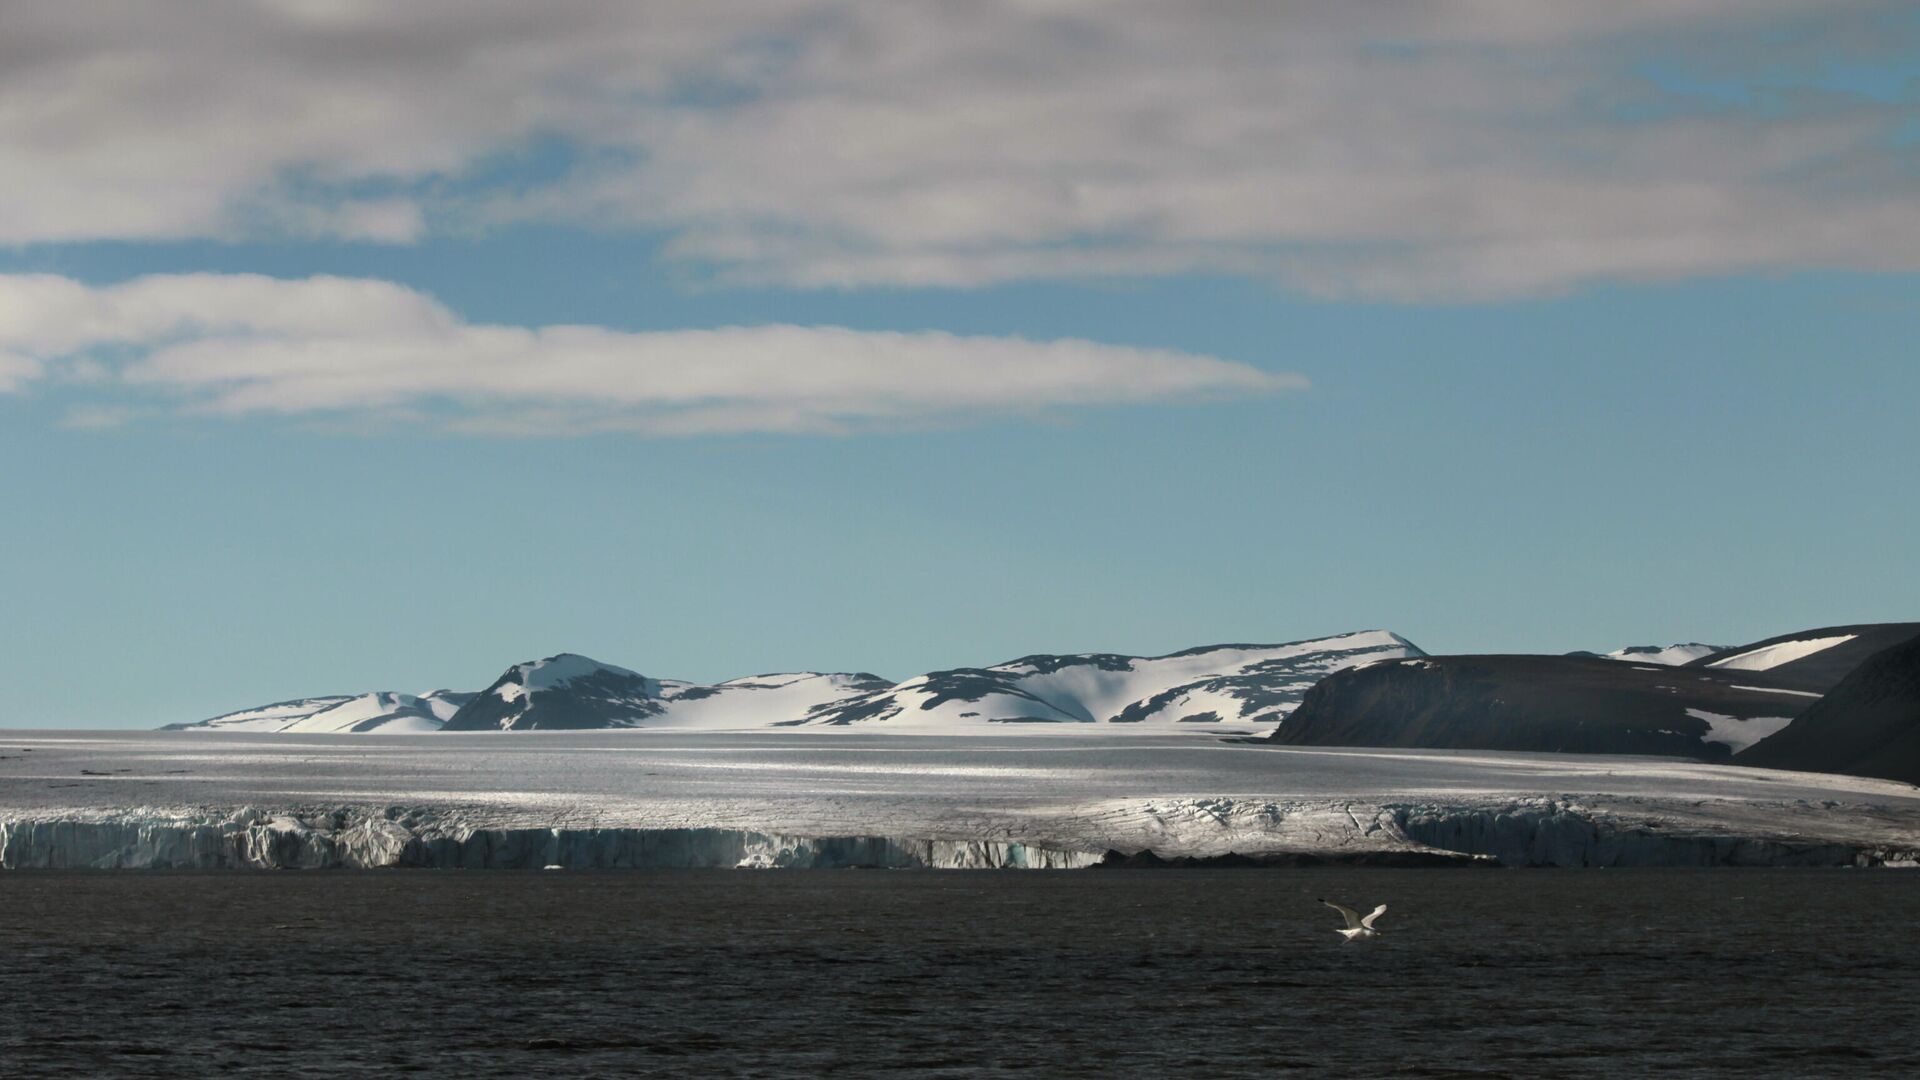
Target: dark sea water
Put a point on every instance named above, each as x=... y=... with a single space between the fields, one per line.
x=946 y=973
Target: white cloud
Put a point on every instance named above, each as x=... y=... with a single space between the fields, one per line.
x=1473 y=148
x=370 y=352
x=373 y=221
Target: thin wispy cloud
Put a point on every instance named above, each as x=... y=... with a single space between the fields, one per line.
x=1471 y=149
x=373 y=354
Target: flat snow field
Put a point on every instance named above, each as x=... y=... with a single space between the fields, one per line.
x=1175 y=795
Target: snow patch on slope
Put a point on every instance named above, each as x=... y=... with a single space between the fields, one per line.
x=1768 y=657
x=757 y=701
x=1779 y=690
x=274 y=717
x=1735 y=733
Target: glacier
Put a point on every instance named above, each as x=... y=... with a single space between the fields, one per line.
x=589 y=800
x=350 y=839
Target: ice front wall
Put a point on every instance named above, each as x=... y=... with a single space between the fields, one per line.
x=605 y=800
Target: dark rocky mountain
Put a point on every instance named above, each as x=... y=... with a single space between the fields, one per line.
x=1812 y=659
x=1568 y=704
x=574 y=692
x=564 y=691
x=1868 y=725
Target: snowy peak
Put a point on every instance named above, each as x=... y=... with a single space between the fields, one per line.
x=1664 y=655
x=563 y=669
x=566 y=690
x=1246 y=685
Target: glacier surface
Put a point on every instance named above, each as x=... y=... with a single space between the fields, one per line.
x=784 y=799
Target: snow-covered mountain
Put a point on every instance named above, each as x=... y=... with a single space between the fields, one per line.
x=1215 y=688
x=384 y=711
x=1221 y=686
x=563 y=691
x=573 y=691
x=1664 y=655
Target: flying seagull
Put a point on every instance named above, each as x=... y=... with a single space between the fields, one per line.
x=1357 y=927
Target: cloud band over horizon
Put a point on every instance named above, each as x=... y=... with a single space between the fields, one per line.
x=378 y=354
x=1458 y=150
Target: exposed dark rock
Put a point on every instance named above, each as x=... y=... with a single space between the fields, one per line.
x=1566 y=704
x=559 y=692
x=1868 y=725
x=1258 y=690
x=1823 y=670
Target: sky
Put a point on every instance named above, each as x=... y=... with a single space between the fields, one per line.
x=349 y=345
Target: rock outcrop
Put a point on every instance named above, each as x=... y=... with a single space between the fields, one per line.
x=1868 y=725
x=1562 y=704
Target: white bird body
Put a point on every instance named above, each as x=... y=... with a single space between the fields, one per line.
x=1357 y=927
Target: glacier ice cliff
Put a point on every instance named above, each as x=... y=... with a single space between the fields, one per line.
x=1538 y=833
x=253 y=839
x=625 y=799
x=1546 y=833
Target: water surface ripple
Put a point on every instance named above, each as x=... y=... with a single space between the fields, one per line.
x=1613 y=973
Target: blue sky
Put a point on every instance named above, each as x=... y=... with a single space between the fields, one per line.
x=1615 y=376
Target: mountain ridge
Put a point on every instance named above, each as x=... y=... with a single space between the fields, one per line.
x=382 y=710
x=1237 y=685
x=1243 y=684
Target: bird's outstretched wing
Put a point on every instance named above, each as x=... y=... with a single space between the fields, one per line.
x=1347 y=913
x=1376 y=913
